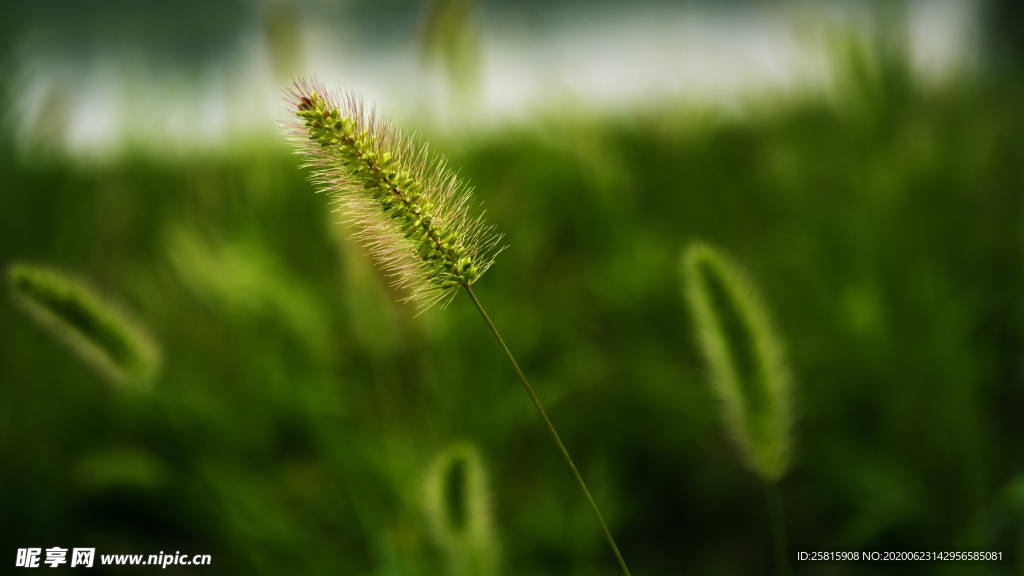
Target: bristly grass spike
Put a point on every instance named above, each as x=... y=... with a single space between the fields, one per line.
x=410 y=210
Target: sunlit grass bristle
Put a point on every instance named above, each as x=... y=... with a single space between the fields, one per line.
x=413 y=213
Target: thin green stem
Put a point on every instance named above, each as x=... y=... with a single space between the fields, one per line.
x=776 y=512
x=547 y=421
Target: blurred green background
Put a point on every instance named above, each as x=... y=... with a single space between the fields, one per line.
x=299 y=405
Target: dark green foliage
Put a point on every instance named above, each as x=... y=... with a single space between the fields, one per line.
x=892 y=252
x=455 y=490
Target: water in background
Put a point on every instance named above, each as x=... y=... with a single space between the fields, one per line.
x=177 y=78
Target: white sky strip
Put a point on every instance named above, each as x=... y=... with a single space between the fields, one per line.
x=606 y=59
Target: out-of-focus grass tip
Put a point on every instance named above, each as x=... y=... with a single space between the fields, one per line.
x=99 y=332
x=457 y=505
x=745 y=358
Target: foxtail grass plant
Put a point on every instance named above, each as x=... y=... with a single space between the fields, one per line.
x=457 y=505
x=410 y=211
x=747 y=368
x=96 y=330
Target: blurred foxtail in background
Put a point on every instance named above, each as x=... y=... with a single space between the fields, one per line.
x=746 y=366
x=744 y=357
x=457 y=503
x=97 y=331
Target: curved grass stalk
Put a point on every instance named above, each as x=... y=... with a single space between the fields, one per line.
x=409 y=209
x=551 y=428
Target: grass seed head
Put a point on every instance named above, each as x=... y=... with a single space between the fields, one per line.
x=745 y=358
x=409 y=209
